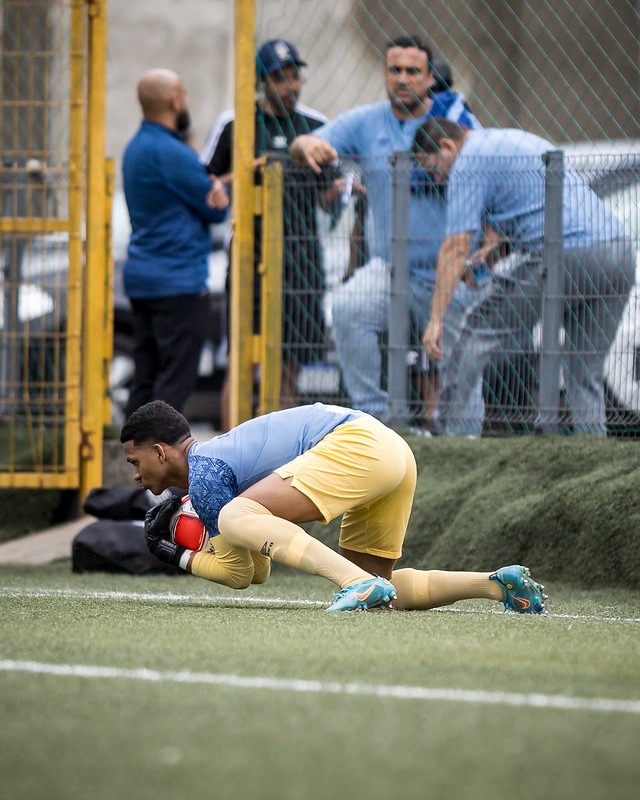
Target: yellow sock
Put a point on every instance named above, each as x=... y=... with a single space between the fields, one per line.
x=261 y=567
x=235 y=567
x=422 y=589
x=224 y=563
x=249 y=524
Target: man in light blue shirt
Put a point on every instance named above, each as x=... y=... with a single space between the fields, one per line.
x=498 y=176
x=371 y=134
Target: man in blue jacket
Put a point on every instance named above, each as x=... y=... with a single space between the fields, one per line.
x=171 y=203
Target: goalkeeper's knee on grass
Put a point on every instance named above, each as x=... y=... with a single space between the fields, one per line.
x=228 y=564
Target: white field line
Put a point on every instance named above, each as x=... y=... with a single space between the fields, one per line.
x=547 y=701
x=244 y=600
x=161 y=597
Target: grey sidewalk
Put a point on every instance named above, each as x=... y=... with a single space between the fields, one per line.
x=43 y=547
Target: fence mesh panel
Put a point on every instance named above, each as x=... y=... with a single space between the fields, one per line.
x=41 y=191
x=343 y=354
x=565 y=71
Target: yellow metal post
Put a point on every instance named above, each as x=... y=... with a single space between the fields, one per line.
x=76 y=194
x=241 y=323
x=107 y=344
x=271 y=279
x=95 y=314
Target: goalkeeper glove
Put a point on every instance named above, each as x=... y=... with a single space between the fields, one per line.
x=157 y=532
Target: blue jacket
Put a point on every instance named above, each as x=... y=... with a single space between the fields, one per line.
x=166 y=187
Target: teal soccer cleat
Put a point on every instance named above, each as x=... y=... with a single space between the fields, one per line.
x=370 y=593
x=520 y=592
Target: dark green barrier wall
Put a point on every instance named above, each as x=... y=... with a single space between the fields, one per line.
x=568 y=508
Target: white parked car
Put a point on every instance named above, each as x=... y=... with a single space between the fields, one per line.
x=613 y=171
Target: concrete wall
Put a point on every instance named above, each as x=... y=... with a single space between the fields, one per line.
x=192 y=37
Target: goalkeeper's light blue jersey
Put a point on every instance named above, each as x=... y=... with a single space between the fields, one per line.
x=226 y=465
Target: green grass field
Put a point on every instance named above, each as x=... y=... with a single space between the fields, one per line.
x=154 y=688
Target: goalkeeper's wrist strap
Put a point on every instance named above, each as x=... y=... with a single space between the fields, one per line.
x=171 y=553
x=185 y=558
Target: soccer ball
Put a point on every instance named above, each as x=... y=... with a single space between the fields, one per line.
x=186 y=527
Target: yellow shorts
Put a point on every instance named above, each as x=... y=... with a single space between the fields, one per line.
x=367 y=472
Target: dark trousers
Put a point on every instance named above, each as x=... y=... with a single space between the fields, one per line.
x=597 y=281
x=168 y=334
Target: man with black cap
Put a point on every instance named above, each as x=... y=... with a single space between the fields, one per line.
x=280 y=118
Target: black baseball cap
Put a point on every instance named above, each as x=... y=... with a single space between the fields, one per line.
x=276 y=54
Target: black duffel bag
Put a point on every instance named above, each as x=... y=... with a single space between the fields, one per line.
x=115 y=542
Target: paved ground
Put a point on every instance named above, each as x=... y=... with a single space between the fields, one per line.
x=43 y=547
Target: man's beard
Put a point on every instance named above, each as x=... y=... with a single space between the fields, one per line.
x=183 y=122
x=411 y=105
x=283 y=107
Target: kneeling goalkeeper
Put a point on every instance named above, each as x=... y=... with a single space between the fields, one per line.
x=253 y=486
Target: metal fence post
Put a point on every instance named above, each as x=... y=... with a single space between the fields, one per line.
x=552 y=294
x=398 y=323
x=241 y=339
x=271 y=289
x=8 y=298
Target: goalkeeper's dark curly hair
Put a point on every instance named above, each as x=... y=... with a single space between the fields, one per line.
x=156 y=421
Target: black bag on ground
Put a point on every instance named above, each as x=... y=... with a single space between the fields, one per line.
x=115 y=543
x=110 y=545
x=117 y=502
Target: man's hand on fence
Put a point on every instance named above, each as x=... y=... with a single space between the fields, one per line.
x=432 y=340
x=312 y=151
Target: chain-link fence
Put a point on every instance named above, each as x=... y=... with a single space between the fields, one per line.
x=542 y=332
x=48 y=82
x=564 y=71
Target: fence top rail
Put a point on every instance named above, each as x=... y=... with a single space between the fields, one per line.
x=34 y=225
